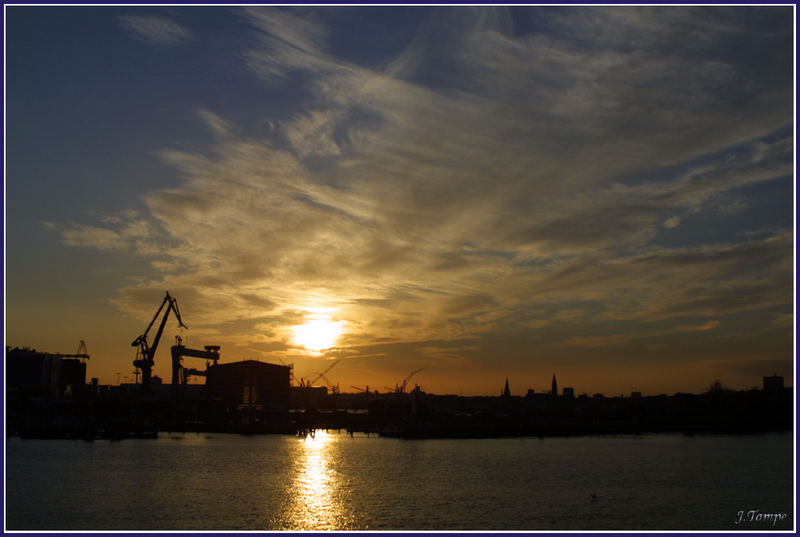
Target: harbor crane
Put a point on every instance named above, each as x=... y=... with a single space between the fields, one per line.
x=180 y=374
x=321 y=375
x=80 y=353
x=145 y=352
x=405 y=380
x=401 y=388
x=334 y=387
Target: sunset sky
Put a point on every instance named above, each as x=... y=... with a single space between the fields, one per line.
x=601 y=193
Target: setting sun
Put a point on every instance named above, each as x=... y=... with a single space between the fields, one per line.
x=319 y=332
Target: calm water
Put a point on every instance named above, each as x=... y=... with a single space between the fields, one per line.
x=228 y=482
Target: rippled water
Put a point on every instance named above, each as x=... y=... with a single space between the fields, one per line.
x=333 y=481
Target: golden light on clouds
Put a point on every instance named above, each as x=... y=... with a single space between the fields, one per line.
x=318 y=332
x=405 y=208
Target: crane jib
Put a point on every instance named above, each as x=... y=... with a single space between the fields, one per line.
x=145 y=360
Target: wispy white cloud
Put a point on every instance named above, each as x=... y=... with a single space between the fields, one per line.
x=93 y=236
x=154 y=29
x=124 y=231
x=216 y=124
x=290 y=40
x=484 y=182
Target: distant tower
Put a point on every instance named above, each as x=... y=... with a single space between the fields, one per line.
x=773 y=383
x=506 y=391
x=554 y=390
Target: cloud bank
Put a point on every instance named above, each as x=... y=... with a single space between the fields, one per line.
x=510 y=172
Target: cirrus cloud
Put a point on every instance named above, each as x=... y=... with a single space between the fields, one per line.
x=154 y=29
x=487 y=180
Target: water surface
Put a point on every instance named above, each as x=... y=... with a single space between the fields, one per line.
x=333 y=481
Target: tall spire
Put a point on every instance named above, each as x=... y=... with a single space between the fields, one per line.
x=554 y=391
x=506 y=391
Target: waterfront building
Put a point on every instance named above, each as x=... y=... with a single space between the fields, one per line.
x=773 y=383
x=251 y=384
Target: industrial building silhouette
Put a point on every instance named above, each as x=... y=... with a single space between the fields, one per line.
x=48 y=395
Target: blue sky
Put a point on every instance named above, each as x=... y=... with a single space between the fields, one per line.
x=601 y=193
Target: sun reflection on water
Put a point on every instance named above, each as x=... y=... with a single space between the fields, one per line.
x=319 y=492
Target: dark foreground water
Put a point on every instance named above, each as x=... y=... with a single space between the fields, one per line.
x=230 y=482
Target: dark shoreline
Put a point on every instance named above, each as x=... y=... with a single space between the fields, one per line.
x=416 y=415
x=409 y=430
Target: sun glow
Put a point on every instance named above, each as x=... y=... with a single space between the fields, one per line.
x=318 y=333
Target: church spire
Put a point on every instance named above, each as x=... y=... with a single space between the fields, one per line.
x=554 y=391
x=506 y=391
